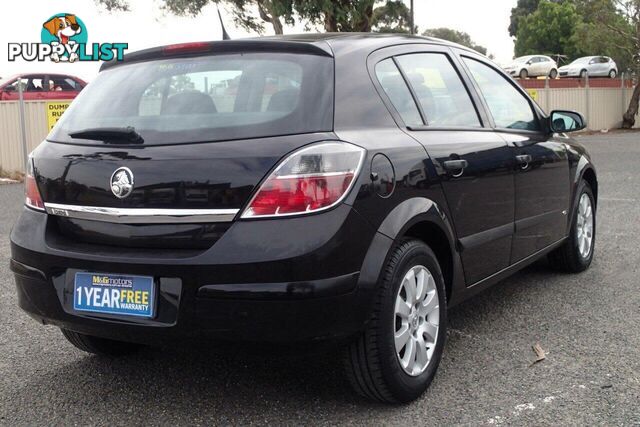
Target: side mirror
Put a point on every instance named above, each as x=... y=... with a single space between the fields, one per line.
x=566 y=121
x=529 y=62
x=11 y=88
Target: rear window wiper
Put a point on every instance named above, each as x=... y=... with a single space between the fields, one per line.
x=112 y=135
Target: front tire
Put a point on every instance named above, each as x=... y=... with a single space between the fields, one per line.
x=613 y=74
x=396 y=357
x=99 y=346
x=576 y=254
x=584 y=74
x=524 y=74
x=553 y=74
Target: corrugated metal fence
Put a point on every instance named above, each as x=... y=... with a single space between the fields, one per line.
x=602 y=106
x=11 y=157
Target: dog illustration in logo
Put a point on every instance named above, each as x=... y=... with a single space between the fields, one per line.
x=63 y=28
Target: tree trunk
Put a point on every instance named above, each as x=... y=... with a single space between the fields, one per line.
x=629 y=118
x=265 y=10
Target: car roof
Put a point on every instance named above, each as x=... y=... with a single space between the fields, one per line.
x=329 y=44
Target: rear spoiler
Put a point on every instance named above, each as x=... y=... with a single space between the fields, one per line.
x=186 y=50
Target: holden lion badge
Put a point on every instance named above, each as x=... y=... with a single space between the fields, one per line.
x=122 y=183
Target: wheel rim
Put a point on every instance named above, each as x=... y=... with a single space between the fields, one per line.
x=612 y=74
x=584 y=226
x=417 y=320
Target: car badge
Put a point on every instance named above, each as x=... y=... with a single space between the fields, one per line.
x=122 y=182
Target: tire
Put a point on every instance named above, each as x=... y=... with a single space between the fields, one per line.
x=372 y=364
x=569 y=257
x=524 y=74
x=613 y=74
x=553 y=74
x=583 y=74
x=99 y=346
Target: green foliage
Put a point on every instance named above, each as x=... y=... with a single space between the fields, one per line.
x=549 y=30
x=331 y=15
x=522 y=9
x=392 y=17
x=455 y=36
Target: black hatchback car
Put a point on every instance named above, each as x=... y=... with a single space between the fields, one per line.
x=343 y=188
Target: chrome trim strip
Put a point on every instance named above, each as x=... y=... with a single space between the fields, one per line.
x=142 y=216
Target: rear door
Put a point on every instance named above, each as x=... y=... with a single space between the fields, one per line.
x=542 y=184
x=472 y=162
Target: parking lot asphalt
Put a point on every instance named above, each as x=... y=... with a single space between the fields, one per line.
x=589 y=324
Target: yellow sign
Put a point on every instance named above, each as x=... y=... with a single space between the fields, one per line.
x=533 y=93
x=55 y=110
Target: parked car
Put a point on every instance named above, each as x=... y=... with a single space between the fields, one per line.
x=41 y=86
x=533 y=66
x=387 y=179
x=593 y=66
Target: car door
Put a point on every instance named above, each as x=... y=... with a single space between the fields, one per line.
x=61 y=87
x=471 y=161
x=603 y=66
x=542 y=182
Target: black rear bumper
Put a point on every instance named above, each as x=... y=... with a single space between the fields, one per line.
x=314 y=294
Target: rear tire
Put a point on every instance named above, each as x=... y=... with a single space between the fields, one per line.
x=553 y=74
x=99 y=346
x=377 y=363
x=571 y=257
x=524 y=74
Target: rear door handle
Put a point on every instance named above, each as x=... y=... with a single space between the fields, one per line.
x=457 y=166
x=524 y=160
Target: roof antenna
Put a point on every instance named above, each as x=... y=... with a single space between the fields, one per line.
x=225 y=35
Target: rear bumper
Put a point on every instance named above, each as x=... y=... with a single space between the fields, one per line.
x=308 y=290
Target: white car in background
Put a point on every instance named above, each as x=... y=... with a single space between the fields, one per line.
x=593 y=66
x=533 y=66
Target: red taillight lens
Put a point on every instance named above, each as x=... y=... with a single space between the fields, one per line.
x=310 y=180
x=31 y=192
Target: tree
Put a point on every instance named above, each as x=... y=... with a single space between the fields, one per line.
x=332 y=15
x=455 y=36
x=392 y=17
x=593 y=35
x=272 y=12
x=550 y=29
x=522 y=9
x=628 y=36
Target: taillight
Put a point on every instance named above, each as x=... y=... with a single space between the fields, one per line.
x=32 y=196
x=191 y=47
x=311 y=179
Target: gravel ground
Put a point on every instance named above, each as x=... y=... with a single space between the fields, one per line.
x=588 y=323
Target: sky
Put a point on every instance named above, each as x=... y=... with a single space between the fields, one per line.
x=146 y=25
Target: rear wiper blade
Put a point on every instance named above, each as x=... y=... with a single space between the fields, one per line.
x=113 y=135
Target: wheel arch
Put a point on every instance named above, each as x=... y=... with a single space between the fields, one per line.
x=422 y=219
x=589 y=175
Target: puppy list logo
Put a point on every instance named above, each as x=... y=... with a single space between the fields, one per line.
x=64 y=39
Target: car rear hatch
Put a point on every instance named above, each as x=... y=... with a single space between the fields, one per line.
x=164 y=150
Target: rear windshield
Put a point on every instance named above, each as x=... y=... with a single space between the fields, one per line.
x=212 y=98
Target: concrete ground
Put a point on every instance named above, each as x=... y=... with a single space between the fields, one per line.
x=589 y=324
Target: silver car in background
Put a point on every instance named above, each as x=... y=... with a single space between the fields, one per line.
x=533 y=66
x=592 y=66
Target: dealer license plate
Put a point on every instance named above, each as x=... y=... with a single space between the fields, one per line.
x=114 y=294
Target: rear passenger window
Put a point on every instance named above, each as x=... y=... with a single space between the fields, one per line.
x=509 y=108
x=440 y=91
x=396 y=89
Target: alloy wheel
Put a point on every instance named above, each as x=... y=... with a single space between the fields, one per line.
x=417 y=319
x=584 y=227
